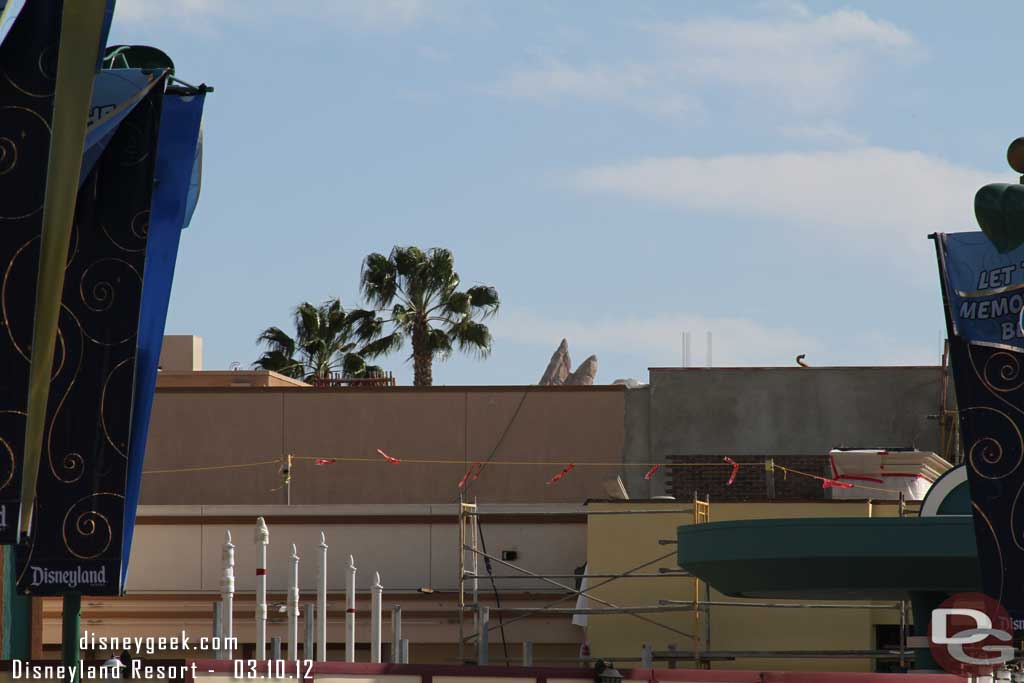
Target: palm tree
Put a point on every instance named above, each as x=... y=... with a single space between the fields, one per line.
x=418 y=293
x=326 y=341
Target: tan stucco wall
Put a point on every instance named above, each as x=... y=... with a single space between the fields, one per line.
x=181 y=353
x=216 y=427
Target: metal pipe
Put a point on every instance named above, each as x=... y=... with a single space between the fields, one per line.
x=321 y=604
x=646 y=656
x=293 y=607
x=307 y=619
x=275 y=648
x=641 y=609
x=659 y=575
x=482 y=643
x=404 y=651
x=678 y=511
x=802 y=605
x=262 y=539
x=350 y=611
x=527 y=653
x=218 y=626
x=227 y=594
x=375 y=618
x=785 y=654
x=396 y=634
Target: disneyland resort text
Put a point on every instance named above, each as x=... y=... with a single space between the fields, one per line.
x=140 y=670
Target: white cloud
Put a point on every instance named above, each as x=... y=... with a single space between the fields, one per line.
x=811 y=62
x=657 y=339
x=828 y=133
x=805 y=62
x=875 y=200
x=636 y=86
x=369 y=14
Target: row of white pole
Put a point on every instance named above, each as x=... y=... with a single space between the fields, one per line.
x=224 y=626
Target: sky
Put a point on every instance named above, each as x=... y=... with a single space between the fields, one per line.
x=620 y=172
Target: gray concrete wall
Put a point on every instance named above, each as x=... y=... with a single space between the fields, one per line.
x=637 y=445
x=778 y=411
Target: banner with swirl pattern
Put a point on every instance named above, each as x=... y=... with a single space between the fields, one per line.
x=983 y=300
x=76 y=539
x=28 y=71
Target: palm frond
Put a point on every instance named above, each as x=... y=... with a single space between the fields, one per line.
x=471 y=337
x=439 y=345
x=276 y=339
x=378 y=281
x=383 y=345
x=280 y=363
x=457 y=304
x=485 y=299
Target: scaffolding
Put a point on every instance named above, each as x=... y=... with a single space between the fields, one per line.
x=701 y=654
x=701 y=620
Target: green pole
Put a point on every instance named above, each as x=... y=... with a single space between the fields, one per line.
x=71 y=631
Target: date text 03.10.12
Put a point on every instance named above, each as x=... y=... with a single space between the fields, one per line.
x=274 y=669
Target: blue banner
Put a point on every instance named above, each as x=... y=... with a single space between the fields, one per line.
x=985 y=290
x=176 y=160
x=77 y=535
x=983 y=296
x=115 y=92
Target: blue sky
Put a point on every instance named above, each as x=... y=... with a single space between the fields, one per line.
x=621 y=172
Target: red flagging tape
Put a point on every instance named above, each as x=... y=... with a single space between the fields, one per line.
x=650 y=472
x=326 y=461
x=473 y=471
x=393 y=461
x=735 y=470
x=561 y=474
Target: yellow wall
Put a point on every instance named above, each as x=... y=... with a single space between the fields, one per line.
x=617 y=543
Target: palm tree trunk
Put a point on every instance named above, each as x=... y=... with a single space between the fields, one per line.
x=422 y=358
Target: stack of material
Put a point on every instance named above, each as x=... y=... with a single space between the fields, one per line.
x=882 y=474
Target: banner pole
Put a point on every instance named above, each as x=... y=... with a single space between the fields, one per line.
x=71 y=629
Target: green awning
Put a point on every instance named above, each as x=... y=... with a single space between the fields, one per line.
x=833 y=558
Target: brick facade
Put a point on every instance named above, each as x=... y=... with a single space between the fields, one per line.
x=751 y=482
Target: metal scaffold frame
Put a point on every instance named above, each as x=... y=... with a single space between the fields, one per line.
x=700 y=605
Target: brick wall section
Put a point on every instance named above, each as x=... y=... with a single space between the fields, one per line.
x=751 y=480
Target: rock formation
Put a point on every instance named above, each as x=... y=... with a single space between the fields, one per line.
x=583 y=375
x=559 y=370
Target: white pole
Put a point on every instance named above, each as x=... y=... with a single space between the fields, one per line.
x=293 y=607
x=227 y=594
x=350 y=611
x=262 y=540
x=375 y=608
x=321 y=603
